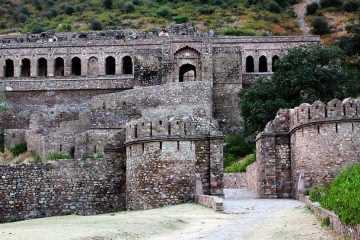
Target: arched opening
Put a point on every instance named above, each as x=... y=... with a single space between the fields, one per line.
x=273 y=63
x=187 y=73
x=76 y=66
x=127 y=65
x=25 y=68
x=93 y=68
x=9 y=68
x=59 y=67
x=42 y=67
x=249 y=64
x=263 y=64
x=110 y=66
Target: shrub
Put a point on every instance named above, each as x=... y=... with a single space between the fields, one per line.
x=2 y=25
x=274 y=7
x=19 y=148
x=320 y=26
x=100 y=155
x=236 y=145
x=108 y=4
x=325 y=222
x=129 y=7
x=55 y=156
x=241 y=166
x=181 y=19
x=351 y=6
x=330 y=3
x=317 y=192
x=37 y=29
x=2 y=138
x=206 y=10
x=96 y=25
x=343 y=196
x=164 y=12
x=69 y=10
x=312 y=8
x=51 y=13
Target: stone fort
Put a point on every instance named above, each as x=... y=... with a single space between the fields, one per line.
x=157 y=103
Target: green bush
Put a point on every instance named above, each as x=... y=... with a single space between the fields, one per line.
x=96 y=25
x=100 y=155
x=129 y=7
x=181 y=19
x=317 y=192
x=2 y=139
x=320 y=26
x=206 y=10
x=343 y=196
x=241 y=167
x=274 y=7
x=238 y=32
x=164 y=12
x=351 y=6
x=312 y=8
x=238 y=146
x=55 y=156
x=19 y=149
x=108 y=3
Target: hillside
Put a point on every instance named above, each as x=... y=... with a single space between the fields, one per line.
x=226 y=17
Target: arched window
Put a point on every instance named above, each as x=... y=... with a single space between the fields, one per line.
x=42 y=67
x=110 y=66
x=249 y=64
x=274 y=59
x=9 y=68
x=263 y=64
x=187 y=73
x=93 y=66
x=59 y=67
x=25 y=68
x=127 y=65
x=76 y=66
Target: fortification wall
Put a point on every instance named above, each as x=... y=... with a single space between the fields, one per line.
x=317 y=140
x=66 y=187
x=163 y=156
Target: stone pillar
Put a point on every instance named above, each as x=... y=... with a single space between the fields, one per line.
x=17 y=67
x=256 y=63
x=101 y=66
x=33 y=67
x=216 y=167
x=50 y=67
x=118 y=65
x=84 y=66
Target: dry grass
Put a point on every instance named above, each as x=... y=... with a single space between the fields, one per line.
x=7 y=158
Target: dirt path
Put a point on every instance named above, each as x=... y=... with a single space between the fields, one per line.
x=242 y=219
x=300 y=10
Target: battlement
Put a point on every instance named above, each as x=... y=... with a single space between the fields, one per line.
x=171 y=127
x=288 y=120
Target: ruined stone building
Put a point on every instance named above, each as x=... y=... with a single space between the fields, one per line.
x=157 y=103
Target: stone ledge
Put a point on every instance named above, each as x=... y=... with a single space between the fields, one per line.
x=213 y=202
x=352 y=231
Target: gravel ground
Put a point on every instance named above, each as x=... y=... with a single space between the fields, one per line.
x=243 y=218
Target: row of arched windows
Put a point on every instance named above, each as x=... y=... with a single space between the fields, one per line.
x=263 y=64
x=59 y=66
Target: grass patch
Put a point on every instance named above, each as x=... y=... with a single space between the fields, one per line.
x=241 y=166
x=19 y=148
x=56 y=156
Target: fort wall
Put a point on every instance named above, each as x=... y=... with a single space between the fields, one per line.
x=66 y=187
x=317 y=140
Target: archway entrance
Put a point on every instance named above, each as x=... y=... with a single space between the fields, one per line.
x=187 y=72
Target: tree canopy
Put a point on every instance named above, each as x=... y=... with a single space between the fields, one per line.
x=305 y=74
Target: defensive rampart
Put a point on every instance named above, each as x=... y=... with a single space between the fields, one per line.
x=317 y=140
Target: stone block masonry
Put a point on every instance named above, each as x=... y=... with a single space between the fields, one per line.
x=66 y=187
x=317 y=140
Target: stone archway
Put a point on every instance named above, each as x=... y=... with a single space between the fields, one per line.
x=187 y=73
x=187 y=65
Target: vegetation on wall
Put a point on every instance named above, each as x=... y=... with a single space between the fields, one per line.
x=305 y=74
x=2 y=142
x=236 y=147
x=19 y=149
x=342 y=196
x=56 y=156
x=251 y=17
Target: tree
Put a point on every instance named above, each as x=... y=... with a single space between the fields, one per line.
x=305 y=74
x=312 y=8
x=108 y=4
x=320 y=26
x=96 y=25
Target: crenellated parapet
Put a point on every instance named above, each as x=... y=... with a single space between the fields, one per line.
x=171 y=127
